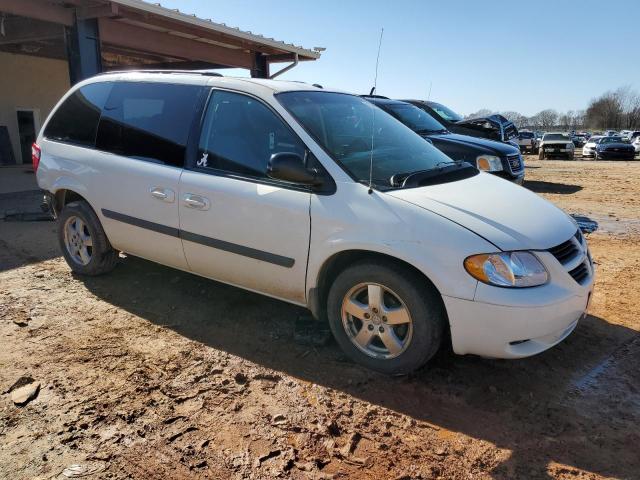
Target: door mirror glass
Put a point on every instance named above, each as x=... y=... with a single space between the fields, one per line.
x=290 y=167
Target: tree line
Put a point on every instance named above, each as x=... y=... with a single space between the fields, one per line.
x=616 y=110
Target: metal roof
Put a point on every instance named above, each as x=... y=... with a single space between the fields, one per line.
x=208 y=24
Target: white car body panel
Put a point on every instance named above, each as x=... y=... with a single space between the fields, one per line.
x=525 y=221
x=433 y=228
x=118 y=184
x=268 y=219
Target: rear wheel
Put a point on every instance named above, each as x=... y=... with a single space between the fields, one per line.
x=84 y=244
x=385 y=317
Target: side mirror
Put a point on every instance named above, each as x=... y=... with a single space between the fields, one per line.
x=290 y=167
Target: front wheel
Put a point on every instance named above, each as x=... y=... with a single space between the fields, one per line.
x=385 y=317
x=84 y=244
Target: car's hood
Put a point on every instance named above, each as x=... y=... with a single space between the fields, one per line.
x=608 y=146
x=509 y=216
x=496 y=121
x=497 y=148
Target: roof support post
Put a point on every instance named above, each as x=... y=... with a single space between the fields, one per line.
x=287 y=68
x=260 y=66
x=83 y=49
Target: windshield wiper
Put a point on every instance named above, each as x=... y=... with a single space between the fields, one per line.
x=441 y=172
x=427 y=131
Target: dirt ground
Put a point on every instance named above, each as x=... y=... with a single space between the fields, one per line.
x=152 y=373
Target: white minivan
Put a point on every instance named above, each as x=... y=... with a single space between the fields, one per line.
x=318 y=198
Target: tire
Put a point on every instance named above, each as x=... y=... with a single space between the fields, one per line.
x=414 y=342
x=571 y=156
x=78 y=225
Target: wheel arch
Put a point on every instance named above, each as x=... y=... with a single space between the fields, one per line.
x=332 y=266
x=64 y=196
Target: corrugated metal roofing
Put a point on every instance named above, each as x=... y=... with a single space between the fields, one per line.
x=192 y=19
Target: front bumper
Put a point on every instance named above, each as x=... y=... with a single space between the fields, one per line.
x=557 y=151
x=517 y=323
x=587 y=152
x=517 y=178
x=606 y=155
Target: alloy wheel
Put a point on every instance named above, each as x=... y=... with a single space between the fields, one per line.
x=376 y=320
x=77 y=240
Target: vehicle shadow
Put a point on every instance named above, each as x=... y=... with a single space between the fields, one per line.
x=537 y=408
x=550 y=187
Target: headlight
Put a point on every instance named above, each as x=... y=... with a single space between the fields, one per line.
x=489 y=163
x=507 y=269
x=570 y=145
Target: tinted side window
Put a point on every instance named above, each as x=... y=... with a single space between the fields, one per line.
x=76 y=120
x=240 y=134
x=148 y=121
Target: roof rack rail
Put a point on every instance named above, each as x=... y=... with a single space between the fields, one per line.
x=375 y=96
x=208 y=73
x=317 y=85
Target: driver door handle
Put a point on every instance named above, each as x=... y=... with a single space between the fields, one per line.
x=197 y=202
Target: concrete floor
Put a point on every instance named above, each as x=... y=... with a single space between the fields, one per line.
x=19 y=192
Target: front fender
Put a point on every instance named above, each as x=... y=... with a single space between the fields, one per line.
x=379 y=223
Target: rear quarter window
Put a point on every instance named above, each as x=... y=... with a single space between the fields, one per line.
x=76 y=119
x=148 y=121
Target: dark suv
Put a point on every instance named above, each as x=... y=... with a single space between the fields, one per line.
x=492 y=127
x=499 y=158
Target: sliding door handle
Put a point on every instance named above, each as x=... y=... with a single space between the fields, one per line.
x=197 y=202
x=165 y=194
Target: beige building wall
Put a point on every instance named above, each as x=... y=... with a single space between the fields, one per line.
x=29 y=83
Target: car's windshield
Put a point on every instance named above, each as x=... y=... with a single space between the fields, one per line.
x=555 y=136
x=611 y=140
x=345 y=125
x=526 y=135
x=445 y=112
x=415 y=118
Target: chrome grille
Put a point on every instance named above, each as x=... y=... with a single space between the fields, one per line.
x=515 y=163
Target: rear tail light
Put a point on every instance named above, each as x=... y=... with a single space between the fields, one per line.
x=35 y=156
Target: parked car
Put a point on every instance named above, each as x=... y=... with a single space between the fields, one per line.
x=493 y=127
x=633 y=135
x=625 y=134
x=317 y=198
x=527 y=141
x=610 y=133
x=578 y=140
x=614 y=148
x=636 y=144
x=589 y=148
x=503 y=160
x=556 y=145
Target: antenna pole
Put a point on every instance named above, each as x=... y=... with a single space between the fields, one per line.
x=430 y=85
x=373 y=121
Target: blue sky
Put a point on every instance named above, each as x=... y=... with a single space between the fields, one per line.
x=501 y=55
